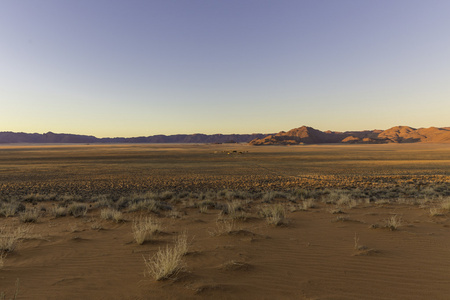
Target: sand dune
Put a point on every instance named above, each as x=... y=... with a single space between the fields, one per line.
x=313 y=257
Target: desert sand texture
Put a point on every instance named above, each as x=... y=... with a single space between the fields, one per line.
x=299 y=222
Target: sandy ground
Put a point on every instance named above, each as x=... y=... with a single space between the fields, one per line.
x=312 y=257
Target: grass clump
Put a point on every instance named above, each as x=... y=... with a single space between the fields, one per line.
x=445 y=204
x=224 y=227
x=58 y=211
x=274 y=214
x=144 y=229
x=2 y=259
x=167 y=262
x=29 y=216
x=10 y=238
x=234 y=210
x=9 y=209
x=77 y=210
x=112 y=214
x=394 y=222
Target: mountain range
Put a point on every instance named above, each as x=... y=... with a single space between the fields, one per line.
x=296 y=136
x=398 y=134
x=55 y=138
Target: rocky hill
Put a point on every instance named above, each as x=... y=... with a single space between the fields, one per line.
x=398 y=134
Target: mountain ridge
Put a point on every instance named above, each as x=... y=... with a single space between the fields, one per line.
x=396 y=134
x=295 y=136
x=55 y=138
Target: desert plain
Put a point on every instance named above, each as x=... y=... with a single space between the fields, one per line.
x=270 y=222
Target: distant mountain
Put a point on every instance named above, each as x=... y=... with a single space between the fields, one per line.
x=398 y=134
x=296 y=136
x=50 y=137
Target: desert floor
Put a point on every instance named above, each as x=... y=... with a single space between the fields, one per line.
x=335 y=241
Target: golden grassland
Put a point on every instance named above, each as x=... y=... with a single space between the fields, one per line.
x=224 y=222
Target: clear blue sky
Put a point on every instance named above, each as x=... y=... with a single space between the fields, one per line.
x=134 y=68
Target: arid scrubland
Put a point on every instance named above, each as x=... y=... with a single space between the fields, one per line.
x=203 y=221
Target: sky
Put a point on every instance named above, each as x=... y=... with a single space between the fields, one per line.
x=136 y=68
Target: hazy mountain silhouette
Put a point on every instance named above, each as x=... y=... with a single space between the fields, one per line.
x=50 y=137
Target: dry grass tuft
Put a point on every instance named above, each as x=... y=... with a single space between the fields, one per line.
x=394 y=222
x=2 y=259
x=436 y=212
x=58 y=211
x=234 y=210
x=144 y=229
x=10 y=209
x=445 y=204
x=77 y=210
x=224 y=227
x=29 y=216
x=182 y=244
x=9 y=238
x=167 y=262
x=357 y=245
x=112 y=214
x=274 y=214
x=308 y=203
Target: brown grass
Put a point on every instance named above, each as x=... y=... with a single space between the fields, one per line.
x=144 y=229
x=167 y=262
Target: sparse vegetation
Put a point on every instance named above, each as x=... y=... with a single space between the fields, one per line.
x=144 y=229
x=167 y=262
x=275 y=214
x=9 y=237
x=3 y=255
x=77 y=210
x=394 y=222
x=58 y=211
x=112 y=214
x=224 y=227
x=29 y=216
